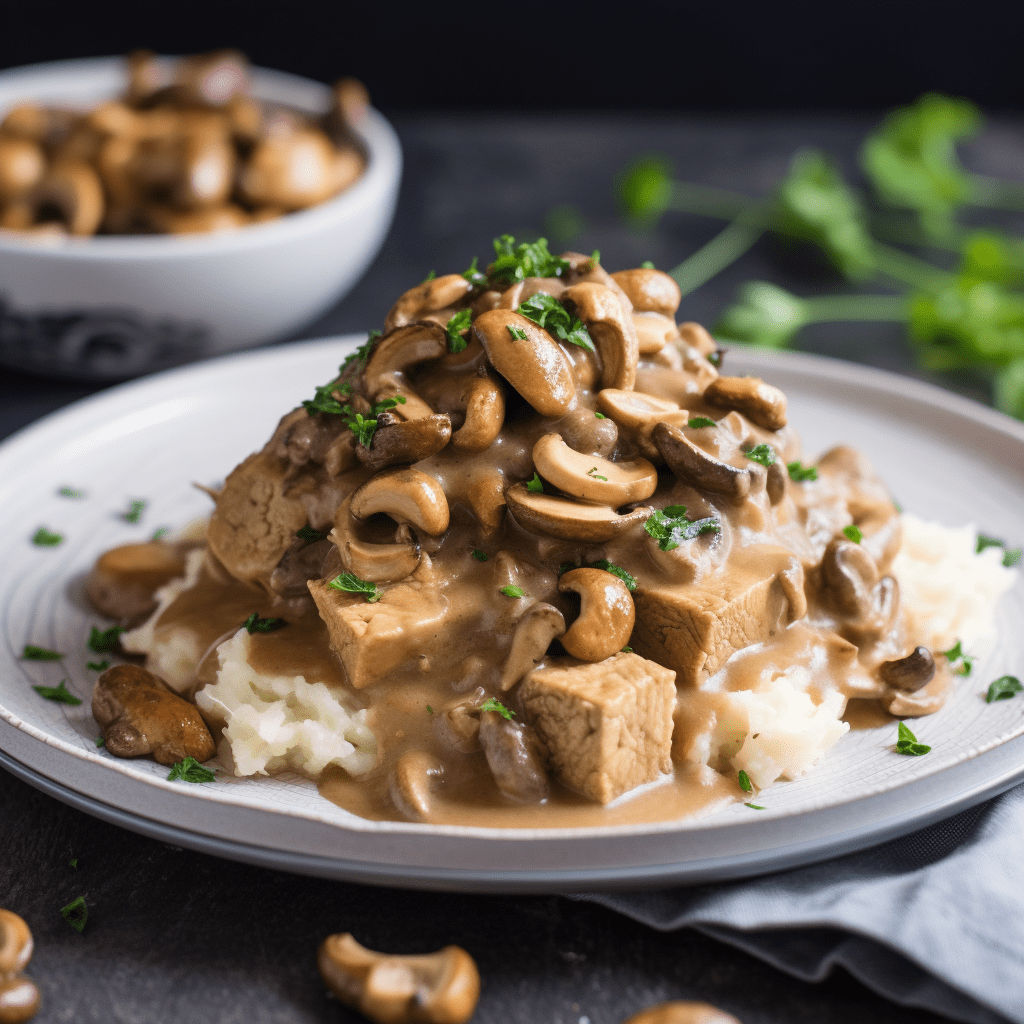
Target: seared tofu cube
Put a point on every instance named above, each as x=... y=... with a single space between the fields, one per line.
x=607 y=725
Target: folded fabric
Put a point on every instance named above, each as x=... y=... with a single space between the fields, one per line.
x=934 y=920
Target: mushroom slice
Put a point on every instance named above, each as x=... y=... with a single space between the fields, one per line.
x=541 y=624
x=567 y=519
x=529 y=359
x=585 y=269
x=653 y=332
x=411 y=784
x=592 y=478
x=428 y=297
x=650 y=291
x=637 y=415
x=911 y=673
x=124 y=579
x=611 y=327
x=408 y=496
x=515 y=756
x=375 y=563
x=682 y=1013
x=759 y=402
x=485 y=414
x=514 y=297
x=405 y=441
x=19 y=997
x=697 y=336
x=398 y=351
x=693 y=465
x=606 y=618
x=74 y=190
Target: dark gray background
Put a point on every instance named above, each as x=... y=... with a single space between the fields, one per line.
x=175 y=936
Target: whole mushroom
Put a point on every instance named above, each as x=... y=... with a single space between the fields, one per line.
x=19 y=997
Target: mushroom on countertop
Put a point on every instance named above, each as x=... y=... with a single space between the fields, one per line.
x=682 y=1013
x=19 y=997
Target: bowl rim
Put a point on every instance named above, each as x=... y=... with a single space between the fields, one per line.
x=383 y=169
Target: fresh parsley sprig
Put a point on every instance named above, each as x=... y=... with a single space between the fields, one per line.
x=764 y=454
x=606 y=565
x=1003 y=688
x=514 y=263
x=547 y=312
x=955 y=654
x=352 y=584
x=906 y=742
x=33 y=653
x=671 y=527
x=493 y=704
x=44 y=538
x=190 y=770
x=801 y=473
x=457 y=328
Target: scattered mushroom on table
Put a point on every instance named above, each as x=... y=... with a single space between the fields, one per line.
x=19 y=997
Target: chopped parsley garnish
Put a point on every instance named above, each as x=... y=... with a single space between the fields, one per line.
x=365 y=427
x=700 y=421
x=755 y=807
x=33 y=653
x=600 y=416
x=763 y=454
x=323 y=399
x=536 y=485
x=361 y=354
x=475 y=277
x=76 y=913
x=133 y=514
x=592 y=472
x=615 y=570
x=491 y=704
x=101 y=640
x=547 y=312
x=716 y=357
x=59 y=693
x=190 y=770
x=70 y=492
x=98 y=666
x=430 y=277
x=456 y=327
x=518 y=334
x=509 y=590
x=528 y=259
x=1011 y=557
x=906 y=743
x=430 y=710
x=73 y=863
x=671 y=527
x=311 y=536
x=745 y=783
x=254 y=624
x=479 y=555
x=100 y=741
x=626 y=650
x=800 y=473
x=45 y=538
x=1003 y=688
x=352 y=584
x=957 y=653
x=595 y=257
x=647 y=265
x=853 y=532
x=160 y=533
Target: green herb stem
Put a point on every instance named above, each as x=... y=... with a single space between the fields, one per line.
x=996 y=193
x=830 y=308
x=906 y=269
x=725 y=248
x=689 y=197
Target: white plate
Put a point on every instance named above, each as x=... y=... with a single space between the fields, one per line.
x=945 y=458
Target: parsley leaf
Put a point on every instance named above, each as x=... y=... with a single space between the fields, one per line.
x=763 y=453
x=536 y=485
x=479 y=555
x=190 y=770
x=700 y=421
x=456 y=327
x=254 y=624
x=906 y=743
x=957 y=653
x=626 y=650
x=159 y=533
x=1010 y=557
x=361 y=354
x=59 y=693
x=133 y=514
x=44 y=538
x=475 y=277
x=100 y=741
x=33 y=653
x=1003 y=688
x=70 y=492
x=76 y=913
x=98 y=666
x=600 y=416
x=800 y=473
x=101 y=640
x=528 y=259
x=512 y=591
x=745 y=784
x=671 y=527
x=491 y=704
x=430 y=277
x=593 y=473
x=853 y=532
x=755 y=807
x=309 y=535
x=647 y=265
x=352 y=584
x=615 y=570
x=547 y=312
x=323 y=399
x=518 y=334
x=1013 y=557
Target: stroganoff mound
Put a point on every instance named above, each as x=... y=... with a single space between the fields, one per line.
x=533 y=549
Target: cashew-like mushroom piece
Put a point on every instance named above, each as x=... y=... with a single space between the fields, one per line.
x=195 y=164
x=529 y=359
x=408 y=496
x=693 y=465
x=514 y=297
x=653 y=332
x=586 y=432
x=124 y=579
x=437 y=988
x=851 y=580
x=22 y=164
x=584 y=269
x=426 y=298
x=911 y=673
x=777 y=482
x=650 y=291
x=611 y=327
x=398 y=351
x=405 y=441
x=72 y=189
x=140 y=714
x=516 y=758
x=485 y=414
x=682 y=1013
x=697 y=336
x=215 y=77
x=592 y=478
x=541 y=624
x=291 y=170
x=375 y=563
x=193 y=222
x=411 y=783
x=19 y=997
x=606 y=618
x=567 y=519
x=637 y=415
x=759 y=402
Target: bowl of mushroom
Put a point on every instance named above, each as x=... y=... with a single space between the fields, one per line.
x=159 y=210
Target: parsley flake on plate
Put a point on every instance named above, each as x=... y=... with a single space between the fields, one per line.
x=956 y=653
x=906 y=742
x=755 y=807
x=1004 y=688
x=101 y=640
x=254 y=624
x=33 y=653
x=98 y=666
x=71 y=492
x=1011 y=557
x=801 y=473
x=699 y=422
x=190 y=770
x=491 y=704
x=44 y=538
x=59 y=693
x=133 y=514
x=76 y=913
x=352 y=584
x=745 y=783
x=100 y=741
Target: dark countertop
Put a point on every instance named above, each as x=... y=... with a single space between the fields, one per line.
x=177 y=936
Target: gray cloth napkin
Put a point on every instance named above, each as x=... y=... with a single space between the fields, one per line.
x=934 y=920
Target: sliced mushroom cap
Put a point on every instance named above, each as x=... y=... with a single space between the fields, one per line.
x=408 y=496
x=291 y=171
x=428 y=297
x=650 y=291
x=585 y=269
x=849 y=575
x=516 y=758
x=514 y=297
x=405 y=441
x=759 y=402
x=585 y=431
x=375 y=563
x=637 y=415
x=22 y=164
x=529 y=359
x=302 y=562
x=653 y=332
x=400 y=350
x=19 y=997
x=124 y=579
x=694 y=466
x=541 y=624
x=682 y=1013
x=911 y=673
x=611 y=328
x=567 y=519
x=438 y=988
x=697 y=336
x=485 y=415
x=591 y=477
x=605 y=622
x=411 y=784
x=75 y=191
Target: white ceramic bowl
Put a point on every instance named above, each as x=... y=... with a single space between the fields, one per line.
x=117 y=306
